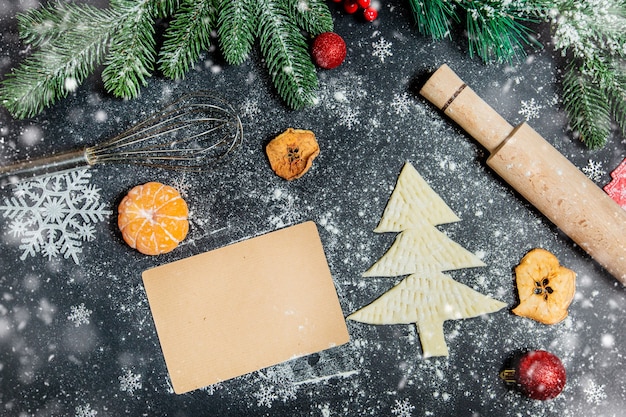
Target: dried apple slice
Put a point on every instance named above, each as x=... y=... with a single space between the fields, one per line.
x=546 y=289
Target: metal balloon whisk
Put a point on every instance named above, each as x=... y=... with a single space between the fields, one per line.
x=192 y=133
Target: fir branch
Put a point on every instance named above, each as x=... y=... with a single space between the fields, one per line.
x=585 y=102
x=312 y=15
x=495 y=33
x=39 y=26
x=434 y=17
x=237 y=23
x=72 y=52
x=286 y=55
x=188 y=34
x=132 y=49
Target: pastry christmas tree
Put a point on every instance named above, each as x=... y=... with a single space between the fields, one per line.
x=427 y=297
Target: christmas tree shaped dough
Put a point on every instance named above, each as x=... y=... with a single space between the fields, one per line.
x=422 y=249
x=413 y=202
x=428 y=301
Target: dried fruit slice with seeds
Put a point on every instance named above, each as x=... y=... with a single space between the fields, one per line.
x=291 y=153
x=546 y=289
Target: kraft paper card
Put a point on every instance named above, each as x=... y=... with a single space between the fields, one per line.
x=244 y=307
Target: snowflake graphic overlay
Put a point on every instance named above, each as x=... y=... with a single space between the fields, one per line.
x=594 y=170
x=79 y=314
x=130 y=382
x=402 y=408
x=382 y=49
x=85 y=411
x=594 y=393
x=53 y=215
x=530 y=109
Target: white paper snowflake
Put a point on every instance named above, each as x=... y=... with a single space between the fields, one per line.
x=382 y=49
x=85 y=411
x=79 y=314
x=250 y=107
x=130 y=382
x=594 y=170
x=594 y=393
x=401 y=104
x=53 y=215
x=530 y=109
x=349 y=117
x=402 y=408
x=265 y=396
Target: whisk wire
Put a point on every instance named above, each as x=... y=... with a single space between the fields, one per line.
x=193 y=133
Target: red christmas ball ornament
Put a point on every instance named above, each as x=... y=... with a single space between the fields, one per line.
x=370 y=14
x=364 y=3
x=329 y=50
x=538 y=374
x=350 y=6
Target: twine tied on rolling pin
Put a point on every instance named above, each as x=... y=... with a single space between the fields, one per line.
x=537 y=171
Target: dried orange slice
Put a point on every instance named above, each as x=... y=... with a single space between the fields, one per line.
x=291 y=153
x=546 y=289
x=153 y=218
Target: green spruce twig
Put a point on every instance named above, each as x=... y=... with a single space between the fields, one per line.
x=70 y=40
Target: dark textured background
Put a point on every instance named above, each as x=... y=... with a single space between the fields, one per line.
x=369 y=120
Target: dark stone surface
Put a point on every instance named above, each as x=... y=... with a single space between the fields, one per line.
x=369 y=120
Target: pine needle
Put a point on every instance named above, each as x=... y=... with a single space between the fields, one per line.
x=237 y=23
x=588 y=110
x=188 y=34
x=286 y=55
x=131 y=56
x=434 y=17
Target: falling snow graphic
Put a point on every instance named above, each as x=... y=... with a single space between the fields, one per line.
x=130 y=382
x=530 y=109
x=594 y=393
x=79 y=314
x=594 y=170
x=382 y=49
x=53 y=215
x=402 y=408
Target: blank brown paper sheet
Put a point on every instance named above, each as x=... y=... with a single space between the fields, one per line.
x=244 y=307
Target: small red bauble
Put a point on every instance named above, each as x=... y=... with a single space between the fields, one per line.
x=364 y=3
x=350 y=6
x=538 y=374
x=370 y=14
x=329 y=50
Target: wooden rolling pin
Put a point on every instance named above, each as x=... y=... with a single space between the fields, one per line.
x=539 y=172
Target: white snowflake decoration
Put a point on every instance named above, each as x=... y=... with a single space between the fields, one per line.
x=402 y=408
x=530 y=109
x=382 y=49
x=265 y=396
x=250 y=107
x=401 y=104
x=594 y=393
x=349 y=117
x=53 y=215
x=79 y=314
x=130 y=382
x=594 y=170
x=85 y=411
